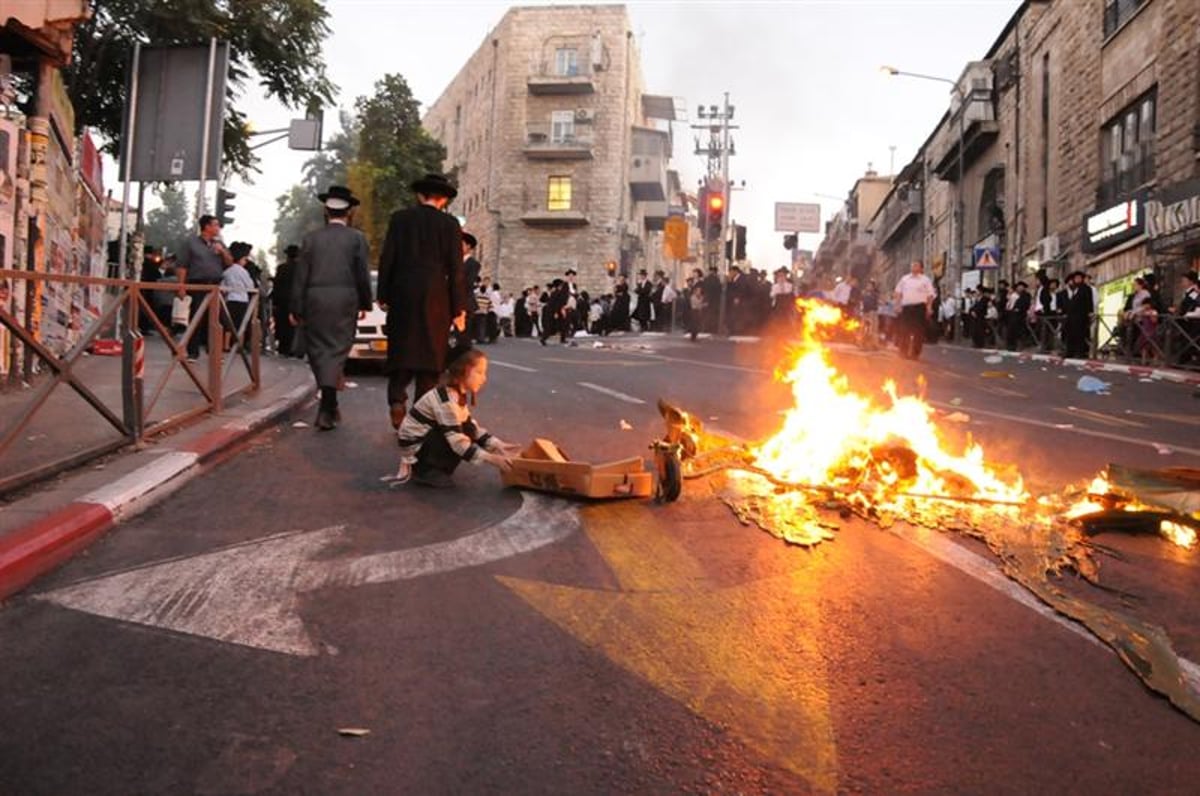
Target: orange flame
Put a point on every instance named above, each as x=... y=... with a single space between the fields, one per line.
x=885 y=451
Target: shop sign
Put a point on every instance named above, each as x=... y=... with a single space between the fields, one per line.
x=1112 y=225
x=1173 y=216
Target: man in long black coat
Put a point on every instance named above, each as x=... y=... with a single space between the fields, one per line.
x=331 y=290
x=281 y=296
x=421 y=286
x=1079 y=308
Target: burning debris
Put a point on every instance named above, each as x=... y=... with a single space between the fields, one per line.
x=840 y=454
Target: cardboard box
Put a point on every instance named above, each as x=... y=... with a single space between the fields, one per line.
x=544 y=467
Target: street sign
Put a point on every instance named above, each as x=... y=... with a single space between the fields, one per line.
x=675 y=238
x=797 y=217
x=987 y=256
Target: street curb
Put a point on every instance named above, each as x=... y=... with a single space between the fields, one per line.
x=1141 y=371
x=49 y=541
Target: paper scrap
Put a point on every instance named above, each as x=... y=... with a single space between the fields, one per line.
x=958 y=417
x=299 y=424
x=625 y=426
x=353 y=732
x=1163 y=449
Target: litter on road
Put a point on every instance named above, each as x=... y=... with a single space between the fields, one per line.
x=1091 y=384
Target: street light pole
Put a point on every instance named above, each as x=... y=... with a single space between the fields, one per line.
x=959 y=209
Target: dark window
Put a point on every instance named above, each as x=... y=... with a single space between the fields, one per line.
x=1116 y=12
x=1127 y=149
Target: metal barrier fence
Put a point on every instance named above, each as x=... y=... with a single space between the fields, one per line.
x=153 y=397
x=1165 y=340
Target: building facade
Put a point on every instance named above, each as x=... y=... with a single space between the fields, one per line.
x=560 y=156
x=1074 y=143
x=848 y=248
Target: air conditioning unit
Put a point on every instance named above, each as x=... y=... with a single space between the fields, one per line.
x=1048 y=249
x=585 y=115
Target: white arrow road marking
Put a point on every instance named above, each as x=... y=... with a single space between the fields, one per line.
x=249 y=594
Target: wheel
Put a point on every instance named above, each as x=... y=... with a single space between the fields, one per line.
x=670 y=476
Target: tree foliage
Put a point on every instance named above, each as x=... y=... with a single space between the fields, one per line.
x=394 y=150
x=167 y=226
x=381 y=150
x=276 y=43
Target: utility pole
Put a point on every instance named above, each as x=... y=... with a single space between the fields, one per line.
x=716 y=121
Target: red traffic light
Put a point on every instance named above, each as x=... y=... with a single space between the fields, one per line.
x=715 y=201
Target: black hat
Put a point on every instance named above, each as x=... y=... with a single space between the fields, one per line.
x=1192 y=277
x=338 y=197
x=1074 y=274
x=291 y=250
x=570 y=272
x=435 y=185
x=469 y=239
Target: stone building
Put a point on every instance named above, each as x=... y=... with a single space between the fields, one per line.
x=560 y=156
x=1080 y=149
x=848 y=247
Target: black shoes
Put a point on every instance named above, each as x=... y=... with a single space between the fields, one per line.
x=326 y=419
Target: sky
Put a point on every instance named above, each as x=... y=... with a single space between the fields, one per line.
x=813 y=105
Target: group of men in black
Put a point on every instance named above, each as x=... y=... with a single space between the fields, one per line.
x=1007 y=311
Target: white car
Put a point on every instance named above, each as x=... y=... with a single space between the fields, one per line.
x=370 y=339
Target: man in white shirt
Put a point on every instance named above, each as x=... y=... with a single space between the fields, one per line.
x=914 y=296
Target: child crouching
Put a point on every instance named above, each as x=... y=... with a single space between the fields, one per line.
x=438 y=431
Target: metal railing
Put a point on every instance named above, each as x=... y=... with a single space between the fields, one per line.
x=1164 y=340
x=44 y=370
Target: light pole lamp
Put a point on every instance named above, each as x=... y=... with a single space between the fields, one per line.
x=957 y=237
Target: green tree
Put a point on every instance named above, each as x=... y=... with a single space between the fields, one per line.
x=278 y=42
x=167 y=226
x=297 y=211
x=393 y=150
x=297 y=214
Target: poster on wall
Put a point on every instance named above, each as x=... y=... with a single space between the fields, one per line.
x=8 y=206
x=61 y=303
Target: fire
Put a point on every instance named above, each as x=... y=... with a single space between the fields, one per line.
x=886 y=453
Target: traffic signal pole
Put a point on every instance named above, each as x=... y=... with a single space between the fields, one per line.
x=716 y=121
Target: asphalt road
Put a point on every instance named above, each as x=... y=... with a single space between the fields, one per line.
x=496 y=643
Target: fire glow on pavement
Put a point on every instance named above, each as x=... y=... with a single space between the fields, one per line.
x=841 y=453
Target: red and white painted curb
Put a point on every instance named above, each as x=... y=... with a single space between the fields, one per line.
x=1140 y=371
x=49 y=541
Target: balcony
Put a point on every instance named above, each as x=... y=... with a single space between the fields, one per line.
x=548 y=78
x=544 y=141
x=538 y=211
x=1133 y=171
x=979 y=130
x=903 y=208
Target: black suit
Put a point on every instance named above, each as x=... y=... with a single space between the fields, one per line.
x=422 y=282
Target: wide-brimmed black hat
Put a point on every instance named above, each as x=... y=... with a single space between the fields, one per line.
x=338 y=197
x=469 y=239
x=435 y=185
x=1074 y=274
x=1192 y=277
x=291 y=250
x=570 y=272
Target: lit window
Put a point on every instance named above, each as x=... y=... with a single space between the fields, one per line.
x=559 y=197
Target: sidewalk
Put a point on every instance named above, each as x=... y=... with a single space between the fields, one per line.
x=45 y=527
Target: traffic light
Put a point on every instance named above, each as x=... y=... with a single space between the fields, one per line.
x=735 y=250
x=714 y=210
x=225 y=206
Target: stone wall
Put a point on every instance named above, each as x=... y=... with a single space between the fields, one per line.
x=483 y=117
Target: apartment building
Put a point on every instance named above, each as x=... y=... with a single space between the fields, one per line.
x=1074 y=143
x=560 y=156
